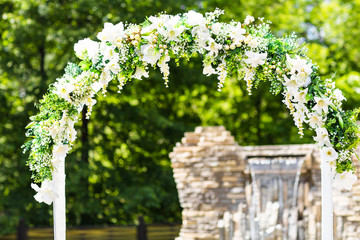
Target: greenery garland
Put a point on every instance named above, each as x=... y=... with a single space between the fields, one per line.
x=244 y=50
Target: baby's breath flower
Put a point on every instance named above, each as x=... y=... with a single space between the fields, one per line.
x=125 y=51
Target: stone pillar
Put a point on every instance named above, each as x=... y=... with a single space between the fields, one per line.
x=210 y=178
x=210 y=174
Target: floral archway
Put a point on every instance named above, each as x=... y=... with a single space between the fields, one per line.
x=242 y=49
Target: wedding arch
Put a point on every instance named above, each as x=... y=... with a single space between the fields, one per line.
x=243 y=49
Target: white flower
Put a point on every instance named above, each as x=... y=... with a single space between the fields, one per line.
x=213 y=47
x=300 y=97
x=170 y=30
x=215 y=28
x=46 y=193
x=87 y=48
x=290 y=83
x=113 y=66
x=301 y=80
x=105 y=77
x=157 y=23
x=301 y=70
x=322 y=137
x=322 y=105
x=201 y=35
x=253 y=43
x=315 y=120
x=140 y=72
x=150 y=55
x=164 y=66
x=60 y=151
x=194 y=18
x=255 y=59
x=209 y=70
x=344 y=180
x=301 y=112
x=63 y=89
x=328 y=154
x=249 y=73
x=237 y=33
x=222 y=74
x=338 y=95
x=73 y=133
x=112 y=33
x=54 y=131
x=108 y=52
x=249 y=19
x=96 y=86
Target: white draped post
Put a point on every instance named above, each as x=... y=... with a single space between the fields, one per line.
x=59 y=202
x=326 y=202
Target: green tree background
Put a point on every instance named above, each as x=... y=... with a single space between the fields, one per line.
x=119 y=168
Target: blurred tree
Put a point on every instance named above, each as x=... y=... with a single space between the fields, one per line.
x=120 y=168
x=335 y=45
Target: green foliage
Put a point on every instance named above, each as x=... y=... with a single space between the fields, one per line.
x=128 y=171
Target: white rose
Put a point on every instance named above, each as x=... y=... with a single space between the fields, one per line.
x=194 y=18
x=87 y=48
x=215 y=28
x=201 y=34
x=150 y=55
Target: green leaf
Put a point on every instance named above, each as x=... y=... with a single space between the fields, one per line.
x=341 y=122
x=309 y=97
x=354 y=144
x=30 y=125
x=84 y=65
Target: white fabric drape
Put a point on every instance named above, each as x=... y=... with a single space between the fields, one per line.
x=59 y=202
x=326 y=202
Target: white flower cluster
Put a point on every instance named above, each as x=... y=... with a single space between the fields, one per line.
x=127 y=51
x=296 y=94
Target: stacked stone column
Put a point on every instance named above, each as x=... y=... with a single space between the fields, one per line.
x=210 y=171
x=210 y=179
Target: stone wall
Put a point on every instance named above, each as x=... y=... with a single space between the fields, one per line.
x=211 y=175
